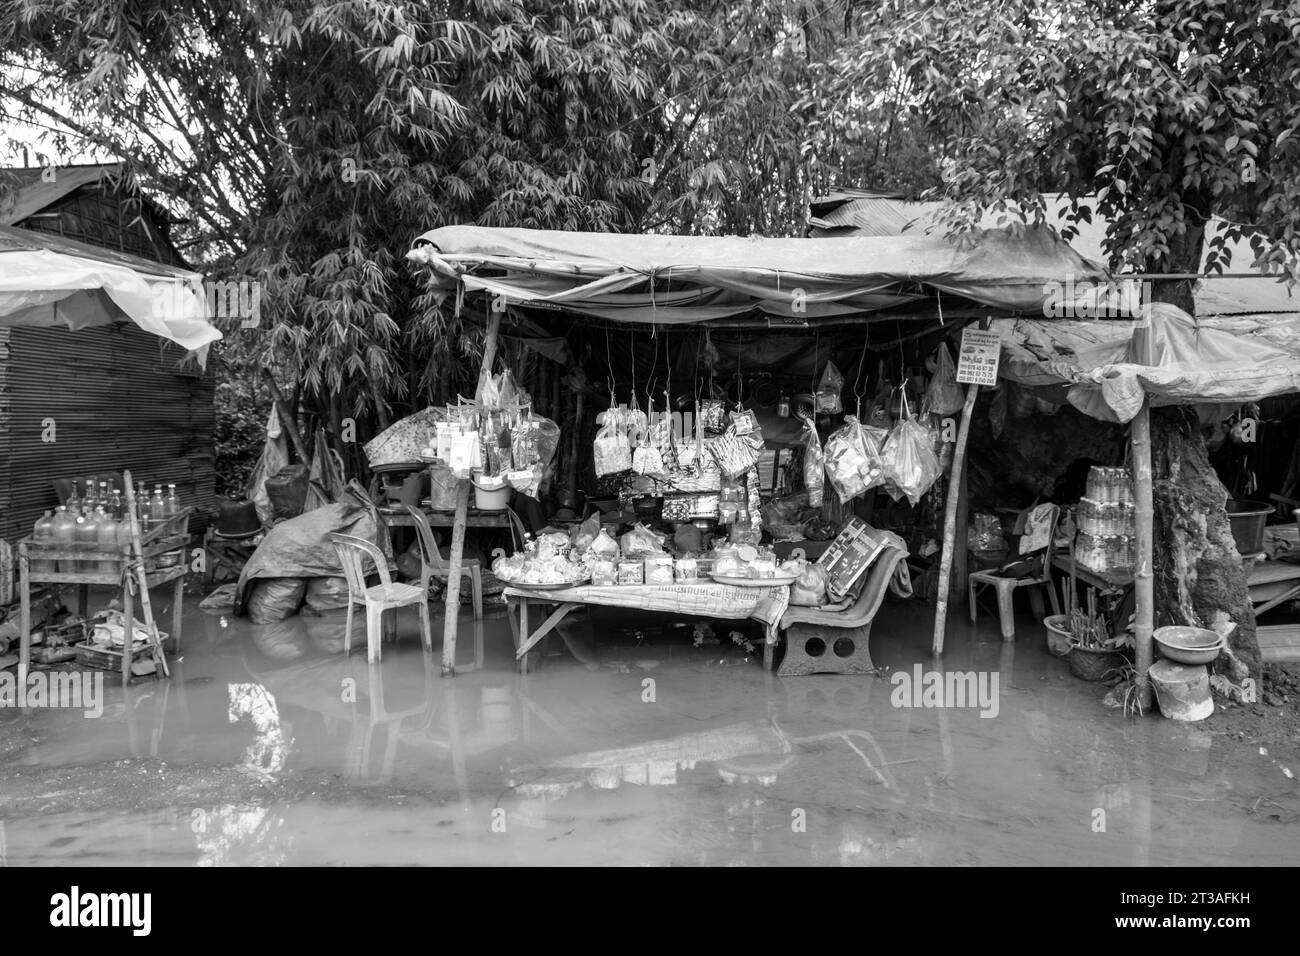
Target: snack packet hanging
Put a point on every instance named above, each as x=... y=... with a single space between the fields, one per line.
x=611 y=450
x=943 y=396
x=828 y=390
x=814 y=470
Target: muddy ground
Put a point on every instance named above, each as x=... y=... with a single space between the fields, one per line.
x=268 y=745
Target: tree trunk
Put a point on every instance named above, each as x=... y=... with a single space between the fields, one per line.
x=1198 y=570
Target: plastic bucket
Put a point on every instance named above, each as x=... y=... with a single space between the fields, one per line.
x=1182 y=690
x=1247 y=520
x=489 y=498
x=1058 y=634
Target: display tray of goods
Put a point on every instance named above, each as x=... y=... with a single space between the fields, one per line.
x=549 y=562
x=748 y=566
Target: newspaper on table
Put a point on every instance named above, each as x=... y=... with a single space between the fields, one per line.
x=763 y=604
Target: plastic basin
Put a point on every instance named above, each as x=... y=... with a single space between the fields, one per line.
x=1188 y=645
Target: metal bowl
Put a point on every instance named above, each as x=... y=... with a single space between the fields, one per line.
x=1189 y=645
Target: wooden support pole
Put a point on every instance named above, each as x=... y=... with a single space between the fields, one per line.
x=142 y=577
x=451 y=619
x=1144 y=537
x=950 y=520
x=287 y=421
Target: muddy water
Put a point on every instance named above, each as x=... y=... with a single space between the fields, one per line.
x=628 y=744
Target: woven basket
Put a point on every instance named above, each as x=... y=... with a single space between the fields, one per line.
x=1091 y=663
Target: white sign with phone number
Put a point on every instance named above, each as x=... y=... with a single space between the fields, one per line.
x=978 y=363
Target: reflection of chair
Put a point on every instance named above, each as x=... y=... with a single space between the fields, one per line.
x=1007 y=586
x=386 y=595
x=432 y=564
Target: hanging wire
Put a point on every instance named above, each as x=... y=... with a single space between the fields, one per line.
x=858 y=389
x=609 y=360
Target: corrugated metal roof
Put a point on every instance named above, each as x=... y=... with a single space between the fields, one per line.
x=14 y=238
x=35 y=193
x=117 y=401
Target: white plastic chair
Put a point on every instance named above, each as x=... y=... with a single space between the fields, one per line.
x=386 y=595
x=432 y=564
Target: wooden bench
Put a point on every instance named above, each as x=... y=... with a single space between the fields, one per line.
x=834 y=639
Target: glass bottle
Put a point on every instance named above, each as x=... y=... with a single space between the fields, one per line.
x=157 y=507
x=64 y=529
x=73 y=504
x=173 y=502
x=106 y=541
x=87 y=539
x=90 y=498
x=115 y=509
x=43 y=534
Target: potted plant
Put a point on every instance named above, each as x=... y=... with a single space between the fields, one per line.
x=1095 y=653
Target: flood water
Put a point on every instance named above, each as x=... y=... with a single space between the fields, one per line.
x=628 y=744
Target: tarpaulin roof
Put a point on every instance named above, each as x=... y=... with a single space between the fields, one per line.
x=684 y=279
x=1194 y=362
x=850 y=212
x=47 y=280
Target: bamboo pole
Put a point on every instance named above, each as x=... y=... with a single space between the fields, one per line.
x=950 y=520
x=287 y=421
x=451 y=618
x=1144 y=515
x=142 y=576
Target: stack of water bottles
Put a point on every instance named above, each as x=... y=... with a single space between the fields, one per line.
x=94 y=520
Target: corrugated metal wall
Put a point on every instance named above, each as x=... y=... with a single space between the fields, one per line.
x=118 y=398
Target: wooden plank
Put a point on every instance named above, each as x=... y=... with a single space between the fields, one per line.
x=1144 y=538
x=1278 y=643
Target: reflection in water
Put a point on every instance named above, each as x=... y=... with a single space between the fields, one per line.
x=269 y=752
x=233 y=835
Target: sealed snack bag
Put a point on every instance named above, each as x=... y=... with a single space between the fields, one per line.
x=814 y=470
x=611 y=450
x=828 y=390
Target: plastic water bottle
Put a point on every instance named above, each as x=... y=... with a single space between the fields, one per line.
x=157 y=506
x=43 y=534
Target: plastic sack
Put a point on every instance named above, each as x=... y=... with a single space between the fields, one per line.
x=443 y=486
x=809 y=588
x=611 y=450
x=853 y=462
x=327 y=594
x=828 y=390
x=943 y=396
x=287 y=491
x=909 y=463
x=647 y=460
x=275 y=599
x=814 y=465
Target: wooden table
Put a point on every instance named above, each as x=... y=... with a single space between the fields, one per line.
x=83 y=579
x=705 y=599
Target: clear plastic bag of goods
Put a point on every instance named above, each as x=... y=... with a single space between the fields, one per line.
x=909 y=461
x=641 y=540
x=604 y=545
x=853 y=462
x=584 y=534
x=943 y=396
x=275 y=599
x=814 y=465
x=612 y=450
x=443 y=486
x=646 y=459
x=809 y=588
x=828 y=390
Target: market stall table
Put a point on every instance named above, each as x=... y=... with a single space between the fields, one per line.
x=704 y=599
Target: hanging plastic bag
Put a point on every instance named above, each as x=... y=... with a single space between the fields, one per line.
x=943 y=396
x=611 y=450
x=809 y=588
x=910 y=466
x=853 y=462
x=647 y=460
x=828 y=390
x=814 y=465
